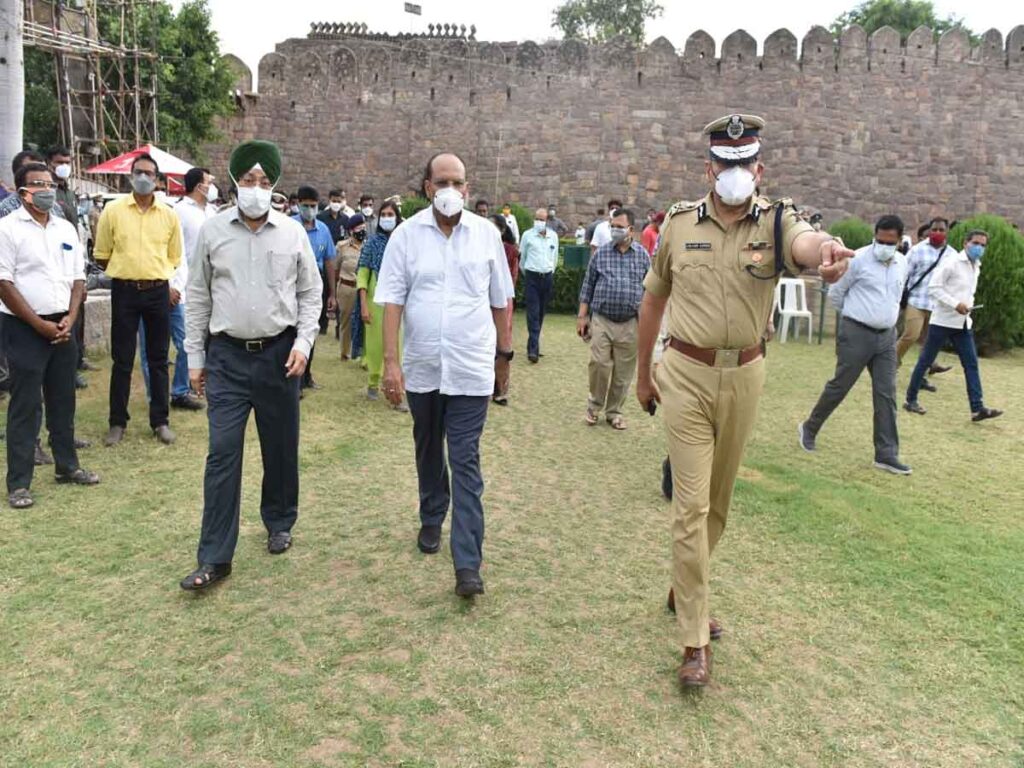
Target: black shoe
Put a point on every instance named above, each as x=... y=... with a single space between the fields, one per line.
x=429 y=540
x=87 y=366
x=80 y=382
x=986 y=413
x=81 y=444
x=927 y=386
x=533 y=358
x=42 y=457
x=806 y=440
x=279 y=542
x=207 y=575
x=936 y=369
x=187 y=402
x=914 y=407
x=468 y=582
x=893 y=465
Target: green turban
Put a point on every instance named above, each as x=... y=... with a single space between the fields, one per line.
x=249 y=153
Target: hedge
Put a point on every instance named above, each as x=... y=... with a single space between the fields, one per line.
x=1000 y=323
x=855 y=233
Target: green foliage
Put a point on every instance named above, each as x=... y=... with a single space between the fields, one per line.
x=413 y=205
x=902 y=15
x=600 y=20
x=854 y=232
x=193 y=83
x=523 y=216
x=1000 y=323
x=42 y=110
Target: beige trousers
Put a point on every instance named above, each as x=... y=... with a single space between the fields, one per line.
x=915 y=328
x=346 y=296
x=612 y=363
x=709 y=415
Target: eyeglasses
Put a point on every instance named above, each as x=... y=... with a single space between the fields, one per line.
x=39 y=184
x=455 y=183
x=141 y=172
x=252 y=181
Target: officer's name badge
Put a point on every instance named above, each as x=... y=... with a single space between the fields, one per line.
x=697 y=246
x=759 y=245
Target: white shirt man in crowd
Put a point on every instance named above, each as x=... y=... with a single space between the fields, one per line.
x=445 y=274
x=538 y=258
x=42 y=286
x=952 y=288
x=603 y=231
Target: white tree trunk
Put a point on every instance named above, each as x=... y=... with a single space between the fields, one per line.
x=12 y=84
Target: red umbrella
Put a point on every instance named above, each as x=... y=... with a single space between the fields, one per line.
x=174 y=167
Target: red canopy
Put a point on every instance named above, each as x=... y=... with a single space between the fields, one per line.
x=173 y=167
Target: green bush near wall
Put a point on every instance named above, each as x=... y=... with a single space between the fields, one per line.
x=855 y=233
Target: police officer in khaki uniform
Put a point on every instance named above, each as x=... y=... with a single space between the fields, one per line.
x=716 y=269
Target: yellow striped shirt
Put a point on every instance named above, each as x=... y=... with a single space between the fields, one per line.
x=138 y=245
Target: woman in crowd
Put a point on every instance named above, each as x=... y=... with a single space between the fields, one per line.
x=345 y=266
x=512 y=254
x=388 y=217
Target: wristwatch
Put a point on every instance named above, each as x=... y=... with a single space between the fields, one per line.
x=508 y=355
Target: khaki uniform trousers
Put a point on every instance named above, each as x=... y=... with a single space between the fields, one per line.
x=612 y=363
x=346 y=297
x=915 y=328
x=709 y=415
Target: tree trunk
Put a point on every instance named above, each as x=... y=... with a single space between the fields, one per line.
x=12 y=83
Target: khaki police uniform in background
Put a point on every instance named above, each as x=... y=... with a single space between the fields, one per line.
x=345 y=264
x=709 y=410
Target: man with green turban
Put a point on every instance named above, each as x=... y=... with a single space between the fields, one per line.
x=251 y=320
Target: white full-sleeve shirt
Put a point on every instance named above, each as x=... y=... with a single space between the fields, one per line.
x=447 y=286
x=43 y=262
x=954 y=282
x=192 y=216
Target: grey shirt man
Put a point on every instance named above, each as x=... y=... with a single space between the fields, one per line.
x=251 y=285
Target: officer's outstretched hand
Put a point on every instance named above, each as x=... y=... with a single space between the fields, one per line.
x=834 y=260
x=646 y=391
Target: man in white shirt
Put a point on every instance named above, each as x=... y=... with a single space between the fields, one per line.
x=193 y=210
x=952 y=289
x=445 y=273
x=42 y=285
x=603 y=231
x=538 y=258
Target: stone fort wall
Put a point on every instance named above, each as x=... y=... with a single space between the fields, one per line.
x=855 y=126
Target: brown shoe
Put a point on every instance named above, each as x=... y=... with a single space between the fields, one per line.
x=695 y=671
x=713 y=626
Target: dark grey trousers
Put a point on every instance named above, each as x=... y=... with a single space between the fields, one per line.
x=238 y=382
x=460 y=420
x=859 y=347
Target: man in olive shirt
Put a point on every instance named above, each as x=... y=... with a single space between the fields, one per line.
x=139 y=242
x=716 y=269
x=254 y=298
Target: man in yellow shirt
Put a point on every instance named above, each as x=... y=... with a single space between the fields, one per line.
x=139 y=242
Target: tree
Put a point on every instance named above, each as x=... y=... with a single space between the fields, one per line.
x=599 y=20
x=42 y=110
x=902 y=15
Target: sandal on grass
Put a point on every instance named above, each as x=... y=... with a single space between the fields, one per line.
x=20 y=498
x=206 y=575
x=590 y=417
x=617 y=422
x=78 y=477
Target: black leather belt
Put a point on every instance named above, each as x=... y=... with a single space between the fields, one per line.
x=255 y=345
x=865 y=326
x=141 y=285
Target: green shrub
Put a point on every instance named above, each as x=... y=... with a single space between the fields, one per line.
x=855 y=233
x=413 y=205
x=1000 y=323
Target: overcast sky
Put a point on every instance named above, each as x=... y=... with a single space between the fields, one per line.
x=251 y=28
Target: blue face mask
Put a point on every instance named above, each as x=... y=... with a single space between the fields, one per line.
x=975 y=251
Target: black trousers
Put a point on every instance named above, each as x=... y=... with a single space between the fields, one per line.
x=79 y=333
x=324 y=320
x=39 y=370
x=129 y=305
x=238 y=382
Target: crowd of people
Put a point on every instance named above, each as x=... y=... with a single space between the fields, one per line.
x=246 y=291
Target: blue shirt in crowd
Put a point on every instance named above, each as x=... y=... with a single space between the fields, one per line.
x=321 y=240
x=870 y=290
x=614 y=283
x=538 y=252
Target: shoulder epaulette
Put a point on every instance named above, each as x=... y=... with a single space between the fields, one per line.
x=682 y=206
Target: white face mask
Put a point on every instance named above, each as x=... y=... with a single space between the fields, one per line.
x=387 y=223
x=735 y=185
x=367 y=211
x=62 y=171
x=883 y=251
x=539 y=225
x=335 y=207
x=448 y=201
x=254 y=202
x=212 y=193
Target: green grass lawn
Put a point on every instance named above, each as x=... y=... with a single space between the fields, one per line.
x=870 y=620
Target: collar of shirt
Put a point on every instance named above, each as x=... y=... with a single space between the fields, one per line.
x=754 y=210
x=23 y=214
x=273 y=219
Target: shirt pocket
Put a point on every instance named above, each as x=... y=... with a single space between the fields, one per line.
x=282 y=267
x=694 y=272
x=475 y=276
x=758 y=262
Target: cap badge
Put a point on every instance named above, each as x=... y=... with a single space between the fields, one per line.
x=735 y=128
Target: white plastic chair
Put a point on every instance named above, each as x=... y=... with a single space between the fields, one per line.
x=794 y=306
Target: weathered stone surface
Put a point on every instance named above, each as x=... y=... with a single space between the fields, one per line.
x=572 y=124
x=97 y=321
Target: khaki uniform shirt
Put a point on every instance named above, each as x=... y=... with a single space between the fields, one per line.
x=705 y=271
x=347 y=259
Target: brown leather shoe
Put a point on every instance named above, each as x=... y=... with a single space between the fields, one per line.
x=713 y=626
x=695 y=671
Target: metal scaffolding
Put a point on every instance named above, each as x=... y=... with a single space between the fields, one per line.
x=107 y=88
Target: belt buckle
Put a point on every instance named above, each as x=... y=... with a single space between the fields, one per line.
x=727 y=358
x=254 y=345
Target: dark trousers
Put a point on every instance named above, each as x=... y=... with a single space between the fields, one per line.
x=460 y=420
x=238 y=382
x=79 y=333
x=963 y=342
x=540 y=287
x=324 y=321
x=859 y=347
x=129 y=305
x=39 y=371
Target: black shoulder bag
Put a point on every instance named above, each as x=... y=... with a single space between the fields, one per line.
x=907 y=291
